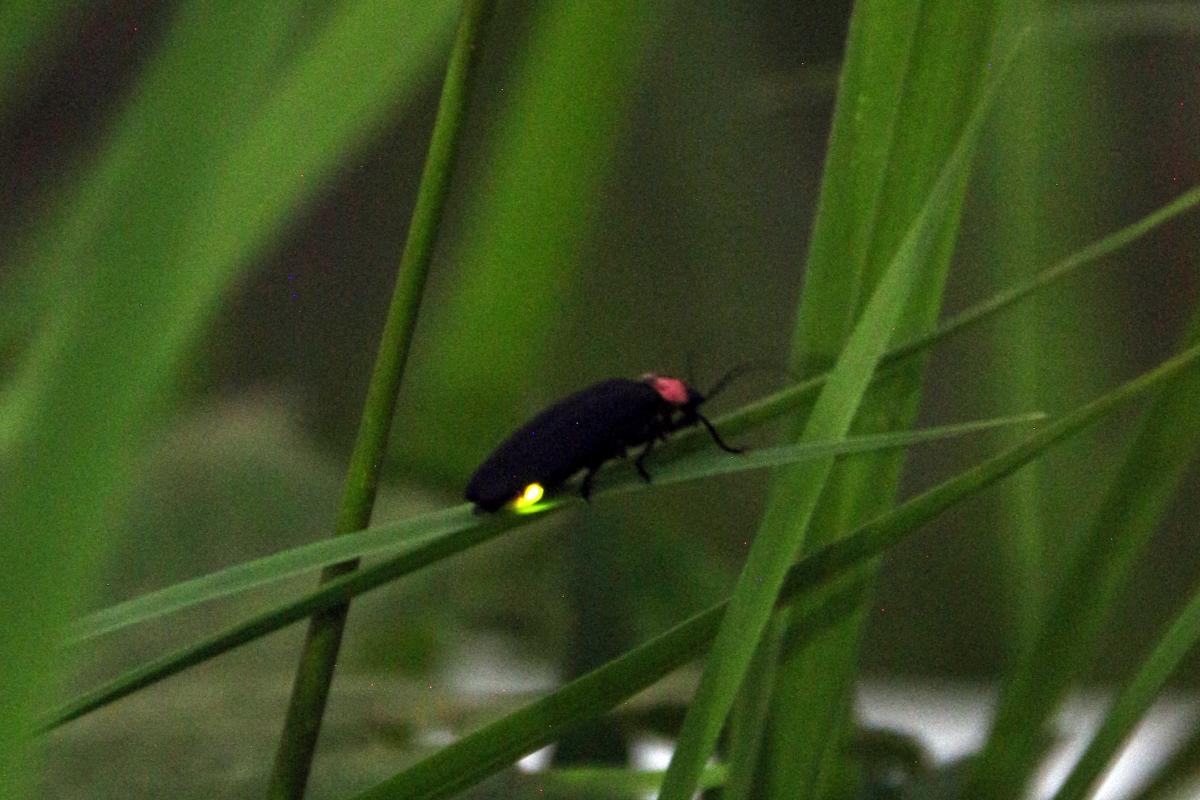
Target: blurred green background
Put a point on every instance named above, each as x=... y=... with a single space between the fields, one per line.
x=635 y=194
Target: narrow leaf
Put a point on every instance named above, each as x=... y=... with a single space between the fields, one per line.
x=1164 y=445
x=493 y=747
x=867 y=542
x=427 y=531
x=788 y=513
x=1133 y=701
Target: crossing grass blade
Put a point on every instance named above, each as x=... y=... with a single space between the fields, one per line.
x=1156 y=460
x=491 y=748
x=427 y=532
x=943 y=71
x=1132 y=702
x=1091 y=255
x=795 y=494
x=867 y=542
x=389 y=535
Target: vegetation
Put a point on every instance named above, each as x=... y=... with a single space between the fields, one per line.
x=599 y=190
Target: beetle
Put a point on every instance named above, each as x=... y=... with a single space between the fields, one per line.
x=584 y=430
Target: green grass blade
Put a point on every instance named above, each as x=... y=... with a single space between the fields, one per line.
x=869 y=100
x=459 y=534
x=789 y=400
x=868 y=542
x=944 y=74
x=1072 y=264
x=796 y=397
x=790 y=509
x=612 y=783
x=1165 y=444
x=1133 y=701
x=490 y=749
x=409 y=534
x=318 y=657
x=1017 y=155
x=713 y=464
x=430 y=531
x=495 y=746
x=92 y=377
x=327 y=595
x=751 y=714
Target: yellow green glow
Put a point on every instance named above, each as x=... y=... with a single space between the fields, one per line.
x=530 y=495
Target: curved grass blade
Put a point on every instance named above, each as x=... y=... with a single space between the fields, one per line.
x=488 y=750
x=1155 y=462
x=426 y=530
x=410 y=533
x=788 y=400
x=757 y=413
x=794 y=499
x=780 y=403
x=327 y=595
x=867 y=542
x=495 y=746
x=1133 y=702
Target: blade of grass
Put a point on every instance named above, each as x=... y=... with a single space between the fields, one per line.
x=785 y=401
x=491 y=748
x=1133 y=701
x=495 y=746
x=944 y=70
x=1166 y=442
x=868 y=542
x=795 y=494
x=1016 y=166
x=751 y=714
x=427 y=530
x=788 y=400
x=409 y=534
x=869 y=101
x=302 y=725
x=100 y=361
x=793 y=398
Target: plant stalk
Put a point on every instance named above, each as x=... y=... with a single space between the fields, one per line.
x=302 y=726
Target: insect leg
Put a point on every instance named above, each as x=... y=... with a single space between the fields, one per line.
x=716 y=437
x=640 y=461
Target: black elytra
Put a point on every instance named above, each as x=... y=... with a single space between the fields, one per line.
x=582 y=431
